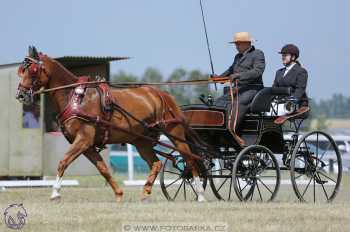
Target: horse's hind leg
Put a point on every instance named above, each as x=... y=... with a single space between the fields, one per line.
x=145 y=150
x=179 y=132
x=98 y=161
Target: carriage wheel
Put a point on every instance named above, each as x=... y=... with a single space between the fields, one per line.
x=220 y=179
x=177 y=181
x=256 y=173
x=316 y=168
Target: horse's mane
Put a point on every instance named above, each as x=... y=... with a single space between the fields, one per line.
x=63 y=71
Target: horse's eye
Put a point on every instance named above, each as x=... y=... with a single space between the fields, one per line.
x=33 y=69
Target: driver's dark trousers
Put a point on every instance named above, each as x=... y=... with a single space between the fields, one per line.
x=245 y=97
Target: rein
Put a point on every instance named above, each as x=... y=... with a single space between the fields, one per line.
x=129 y=84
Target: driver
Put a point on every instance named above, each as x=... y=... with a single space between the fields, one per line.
x=247 y=69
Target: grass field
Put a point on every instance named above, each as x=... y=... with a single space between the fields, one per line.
x=91 y=207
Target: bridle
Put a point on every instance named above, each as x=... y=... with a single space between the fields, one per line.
x=35 y=68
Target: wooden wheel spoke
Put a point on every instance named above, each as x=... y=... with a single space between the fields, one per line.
x=185 y=190
x=307 y=148
x=271 y=162
x=173 y=172
x=178 y=190
x=192 y=188
x=307 y=186
x=222 y=184
x=298 y=176
x=302 y=160
x=166 y=186
x=257 y=185
x=244 y=187
x=329 y=178
x=324 y=190
x=239 y=185
x=326 y=150
x=251 y=196
x=264 y=185
x=317 y=160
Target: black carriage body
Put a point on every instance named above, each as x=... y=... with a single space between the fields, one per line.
x=253 y=172
x=211 y=124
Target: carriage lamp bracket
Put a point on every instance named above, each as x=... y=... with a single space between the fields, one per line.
x=207 y=100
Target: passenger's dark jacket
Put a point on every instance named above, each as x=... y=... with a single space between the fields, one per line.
x=296 y=78
x=250 y=67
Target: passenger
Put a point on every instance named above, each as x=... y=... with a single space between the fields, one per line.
x=292 y=74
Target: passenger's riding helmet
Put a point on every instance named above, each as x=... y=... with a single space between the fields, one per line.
x=290 y=49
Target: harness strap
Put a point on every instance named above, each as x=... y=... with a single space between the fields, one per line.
x=73 y=109
x=230 y=128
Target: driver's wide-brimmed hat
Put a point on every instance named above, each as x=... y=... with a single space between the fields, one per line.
x=242 y=37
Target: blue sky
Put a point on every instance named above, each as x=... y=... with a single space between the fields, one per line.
x=169 y=34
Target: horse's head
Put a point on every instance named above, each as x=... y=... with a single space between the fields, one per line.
x=33 y=76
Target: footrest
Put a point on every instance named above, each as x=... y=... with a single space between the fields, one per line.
x=298 y=114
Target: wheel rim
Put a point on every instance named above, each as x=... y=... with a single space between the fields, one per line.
x=177 y=182
x=316 y=168
x=256 y=174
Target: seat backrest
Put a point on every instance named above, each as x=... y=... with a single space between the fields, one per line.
x=262 y=100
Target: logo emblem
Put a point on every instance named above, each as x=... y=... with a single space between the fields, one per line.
x=15 y=216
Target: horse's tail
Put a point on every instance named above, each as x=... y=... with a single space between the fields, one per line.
x=178 y=114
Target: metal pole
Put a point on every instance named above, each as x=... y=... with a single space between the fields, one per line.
x=130 y=162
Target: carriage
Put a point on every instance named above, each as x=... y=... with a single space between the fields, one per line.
x=253 y=172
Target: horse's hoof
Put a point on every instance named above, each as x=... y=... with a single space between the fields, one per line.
x=146 y=199
x=201 y=198
x=56 y=198
x=119 y=197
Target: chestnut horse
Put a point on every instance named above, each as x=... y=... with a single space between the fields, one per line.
x=145 y=103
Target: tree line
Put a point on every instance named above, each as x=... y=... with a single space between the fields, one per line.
x=183 y=94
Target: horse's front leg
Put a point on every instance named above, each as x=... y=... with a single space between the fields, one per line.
x=82 y=142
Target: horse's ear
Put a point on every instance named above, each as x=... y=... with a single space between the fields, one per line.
x=30 y=51
x=35 y=53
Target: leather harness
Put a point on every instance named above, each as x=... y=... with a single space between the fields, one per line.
x=108 y=104
x=74 y=109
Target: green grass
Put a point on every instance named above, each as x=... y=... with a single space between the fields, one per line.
x=91 y=207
